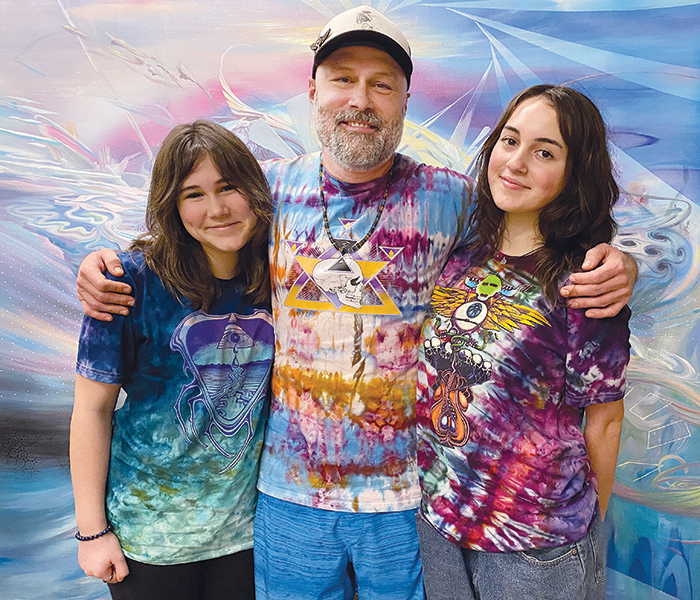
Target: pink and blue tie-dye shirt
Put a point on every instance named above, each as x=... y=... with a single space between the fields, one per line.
x=503 y=382
x=341 y=433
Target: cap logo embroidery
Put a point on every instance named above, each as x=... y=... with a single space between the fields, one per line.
x=320 y=40
x=364 y=19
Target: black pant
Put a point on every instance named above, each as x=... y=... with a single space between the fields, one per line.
x=227 y=578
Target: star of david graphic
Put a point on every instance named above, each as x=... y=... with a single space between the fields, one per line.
x=338 y=282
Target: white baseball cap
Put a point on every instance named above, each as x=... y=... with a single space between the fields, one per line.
x=363 y=26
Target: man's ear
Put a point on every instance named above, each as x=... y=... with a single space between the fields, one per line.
x=312 y=89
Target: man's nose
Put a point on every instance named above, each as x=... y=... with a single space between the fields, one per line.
x=361 y=99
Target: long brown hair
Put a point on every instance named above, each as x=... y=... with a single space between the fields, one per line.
x=581 y=216
x=175 y=256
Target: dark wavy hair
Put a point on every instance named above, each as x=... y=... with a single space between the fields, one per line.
x=581 y=216
x=173 y=254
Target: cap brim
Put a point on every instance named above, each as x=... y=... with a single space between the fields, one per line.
x=366 y=37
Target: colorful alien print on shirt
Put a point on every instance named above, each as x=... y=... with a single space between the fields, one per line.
x=466 y=320
x=187 y=441
x=341 y=433
x=503 y=381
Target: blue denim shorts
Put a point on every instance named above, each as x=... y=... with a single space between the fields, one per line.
x=571 y=572
x=304 y=553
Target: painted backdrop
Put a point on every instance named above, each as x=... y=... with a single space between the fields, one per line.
x=88 y=89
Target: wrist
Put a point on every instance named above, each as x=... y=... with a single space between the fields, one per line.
x=87 y=538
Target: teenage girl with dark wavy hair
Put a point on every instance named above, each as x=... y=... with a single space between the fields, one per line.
x=514 y=486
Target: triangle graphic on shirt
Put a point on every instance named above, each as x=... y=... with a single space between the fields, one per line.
x=347 y=223
x=389 y=252
x=325 y=300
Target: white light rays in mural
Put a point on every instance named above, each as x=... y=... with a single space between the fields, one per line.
x=105 y=80
x=683 y=82
x=560 y=5
x=330 y=9
x=324 y=8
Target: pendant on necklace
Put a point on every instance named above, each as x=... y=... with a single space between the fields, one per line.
x=349 y=246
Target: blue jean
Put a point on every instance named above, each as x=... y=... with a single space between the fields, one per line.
x=570 y=572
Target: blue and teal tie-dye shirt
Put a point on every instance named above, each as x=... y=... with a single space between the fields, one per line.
x=503 y=383
x=187 y=440
x=341 y=433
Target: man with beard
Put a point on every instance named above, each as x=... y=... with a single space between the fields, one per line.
x=359 y=237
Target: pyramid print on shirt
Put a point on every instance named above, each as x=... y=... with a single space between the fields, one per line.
x=341 y=283
x=228 y=358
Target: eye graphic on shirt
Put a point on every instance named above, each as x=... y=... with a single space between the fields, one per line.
x=222 y=354
x=472 y=316
x=465 y=321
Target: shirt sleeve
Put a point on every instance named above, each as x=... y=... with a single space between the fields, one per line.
x=597 y=357
x=106 y=349
x=465 y=187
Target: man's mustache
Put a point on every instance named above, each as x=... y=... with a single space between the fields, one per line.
x=360 y=117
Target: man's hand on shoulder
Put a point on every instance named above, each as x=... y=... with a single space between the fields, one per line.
x=101 y=297
x=605 y=285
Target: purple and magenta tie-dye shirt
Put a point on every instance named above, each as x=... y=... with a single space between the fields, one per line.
x=503 y=381
x=341 y=433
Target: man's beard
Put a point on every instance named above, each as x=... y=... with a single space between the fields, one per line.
x=353 y=150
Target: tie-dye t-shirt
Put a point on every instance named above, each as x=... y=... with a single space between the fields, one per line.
x=187 y=441
x=504 y=379
x=341 y=433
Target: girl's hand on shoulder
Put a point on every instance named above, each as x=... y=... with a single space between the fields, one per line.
x=103 y=558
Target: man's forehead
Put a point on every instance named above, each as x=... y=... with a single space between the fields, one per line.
x=361 y=57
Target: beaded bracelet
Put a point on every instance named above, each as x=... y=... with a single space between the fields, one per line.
x=87 y=538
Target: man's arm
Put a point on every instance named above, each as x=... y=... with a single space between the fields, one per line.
x=603 y=290
x=606 y=285
x=98 y=295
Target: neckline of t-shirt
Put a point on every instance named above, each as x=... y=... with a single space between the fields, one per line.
x=361 y=187
x=233 y=281
x=523 y=260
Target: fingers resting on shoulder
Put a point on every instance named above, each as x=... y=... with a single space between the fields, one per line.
x=98 y=295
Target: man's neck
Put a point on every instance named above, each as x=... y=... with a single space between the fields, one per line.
x=350 y=176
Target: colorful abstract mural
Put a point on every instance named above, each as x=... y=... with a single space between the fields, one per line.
x=88 y=89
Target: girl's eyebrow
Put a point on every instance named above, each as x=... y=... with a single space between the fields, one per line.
x=194 y=187
x=544 y=140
